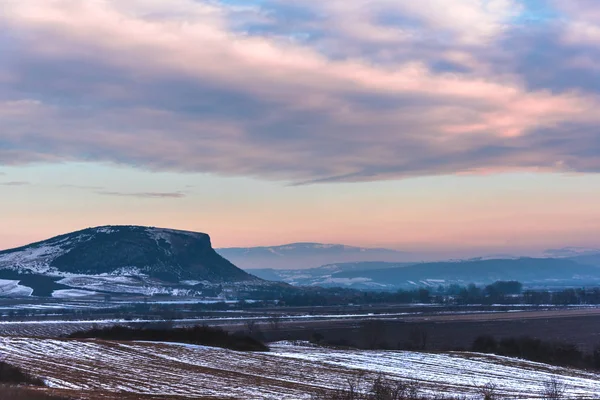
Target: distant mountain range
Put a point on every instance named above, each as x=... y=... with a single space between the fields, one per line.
x=315 y=264
x=118 y=259
x=539 y=272
x=533 y=272
x=571 y=252
x=147 y=261
x=328 y=275
x=307 y=255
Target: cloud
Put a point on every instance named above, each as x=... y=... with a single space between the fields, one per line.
x=145 y=195
x=81 y=187
x=396 y=21
x=15 y=183
x=299 y=91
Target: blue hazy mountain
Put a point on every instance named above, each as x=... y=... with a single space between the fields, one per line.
x=533 y=272
x=307 y=255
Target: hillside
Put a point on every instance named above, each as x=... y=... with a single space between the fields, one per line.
x=326 y=275
x=538 y=272
x=531 y=271
x=130 y=259
x=288 y=371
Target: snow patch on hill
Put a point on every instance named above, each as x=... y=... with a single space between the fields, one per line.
x=36 y=258
x=123 y=284
x=9 y=288
x=71 y=293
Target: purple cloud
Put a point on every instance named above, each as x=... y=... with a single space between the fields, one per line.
x=15 y=183
x=359 y=91
x=82 y=187
x=145 y=195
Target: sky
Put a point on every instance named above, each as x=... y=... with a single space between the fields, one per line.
x=464 y=127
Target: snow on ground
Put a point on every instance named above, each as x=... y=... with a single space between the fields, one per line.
x=36 y=258
x=192 y=282
x=106 y=229
x=457 y=373
x=10 y=288
x=122 y=284
x=343 y=281
x=289 y=371
x=70 y=293
x=159 y=234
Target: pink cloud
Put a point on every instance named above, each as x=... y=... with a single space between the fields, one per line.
x=175 y=86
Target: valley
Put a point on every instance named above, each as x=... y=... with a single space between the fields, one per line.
x=326 y=325
x=447 y=328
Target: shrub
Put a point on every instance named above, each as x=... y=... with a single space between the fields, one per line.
x=553 y=390
x=485 y=344
x=489 y=391
x=554 y=353
x=15 y=393
x=15 y=375
x=380 y=389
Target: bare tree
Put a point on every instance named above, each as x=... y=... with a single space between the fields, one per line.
x=373 y=333
x=417 y=338
x=380 y=389
x=275 y=322
x=350 y=392
x=384 y=389
x=251 y=327
x=489 y=391
x=553 y=390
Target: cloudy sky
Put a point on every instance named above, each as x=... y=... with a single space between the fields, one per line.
x=464 y=126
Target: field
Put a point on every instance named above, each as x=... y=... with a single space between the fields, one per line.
x=455 y=330
x=101 y=370
x=95 y=369
x=448 y=328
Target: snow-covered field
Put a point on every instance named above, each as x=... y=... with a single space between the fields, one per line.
x=11 y=288
x=70 y=293
x=140 y=284
x=289 y=371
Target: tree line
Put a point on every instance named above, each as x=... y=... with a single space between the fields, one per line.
x=533 y=349
x=198 y=335
x=500 y=292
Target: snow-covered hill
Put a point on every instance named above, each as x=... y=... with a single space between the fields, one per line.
x=119 y=259
x=328 y=275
